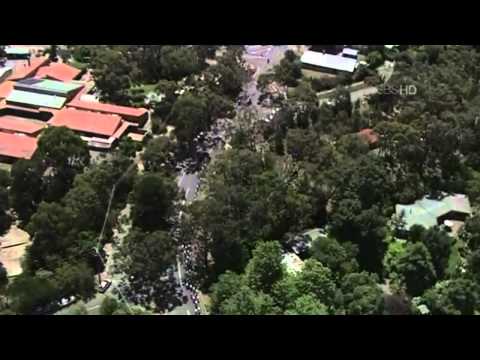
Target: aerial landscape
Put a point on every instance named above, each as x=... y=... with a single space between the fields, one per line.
x=239 y=180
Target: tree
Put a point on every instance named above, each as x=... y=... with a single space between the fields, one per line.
x=146 y=260
x=167 y=97
x=304 y=93
x=340 y=258
x=473 y=265
x=247 y=302
x=75 y=279
x=28 y=294
x=3 y=278
x=415 y=269
x=374 y=59
x=307 y=305
x=286 y=291
x=79 y=309
x=455 y=297
x=158 y=155
x=64 y=155
x=177 y=62
x=113 y=73
x=152 y=200
x=128 y=147
x=227 y=78
x=289 y=70
x=470 y=233
x=53 y=56
x=361 y=294
x=189 y=115
x=439 y=245
x=227 y=285
x=4 y=202
x=26 y=188
x=265 y=268
x=49 y=228
x=317 y=280
x=342 y=101
x=109 y=306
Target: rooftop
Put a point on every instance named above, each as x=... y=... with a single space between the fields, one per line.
x=58 y=71
x=350 y=51
x=17 y=146
x=6 y=88
x=369 y=135
x=38 y=100
x=47 y=85
x=335 y=62
x=87 y=121
x=20 y=125
x=23 y=69
x=293 y=263
x=107 y=108
x=11 y=50
x=426 y=211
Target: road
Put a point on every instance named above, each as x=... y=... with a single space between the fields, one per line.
x=189 y=183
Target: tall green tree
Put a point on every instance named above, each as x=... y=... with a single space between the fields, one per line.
x=152 y=198
x=248 y=302
x=265 y=267
x=415 y=269
x=64 y=155
x=362 y=295
x=307 y=305
x=178 y=61
x=457 y=297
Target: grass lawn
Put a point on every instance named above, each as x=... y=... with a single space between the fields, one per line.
x=146 y=87
x=6 y=167
x=455 y=259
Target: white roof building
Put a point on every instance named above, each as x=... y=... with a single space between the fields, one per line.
x=334 y=62
x=350 y=52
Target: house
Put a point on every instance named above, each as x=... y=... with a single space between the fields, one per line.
x=328 y=63
x=5 y=72
x=16 y=146
x=98 y=130
x=350 y=53
x=428 y=212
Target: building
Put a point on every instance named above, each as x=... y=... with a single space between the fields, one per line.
x=328 y=63
x=5 y=72
x=350 y=53
x=428 y=212
x=33 y=100
x=98 y=130
x=49 y=87
x=19 y=125
x=16 y=146
x=135 y=115
x=369 y=136
x=58 y=71
x=14 y=53
x=22 y=69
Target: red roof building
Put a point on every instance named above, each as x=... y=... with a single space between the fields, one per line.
x=6 y=88
x=15 y=124
x=58 y=71
x=24 y=69
x=87 y=122
x=137 y=115
x=15 y=146
x=369 y=136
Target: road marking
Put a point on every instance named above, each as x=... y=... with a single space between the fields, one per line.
x=188 y=312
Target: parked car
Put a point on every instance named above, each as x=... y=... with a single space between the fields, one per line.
x=104 y=286
x=64 y=302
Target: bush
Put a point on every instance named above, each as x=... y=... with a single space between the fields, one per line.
x=324 y=84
